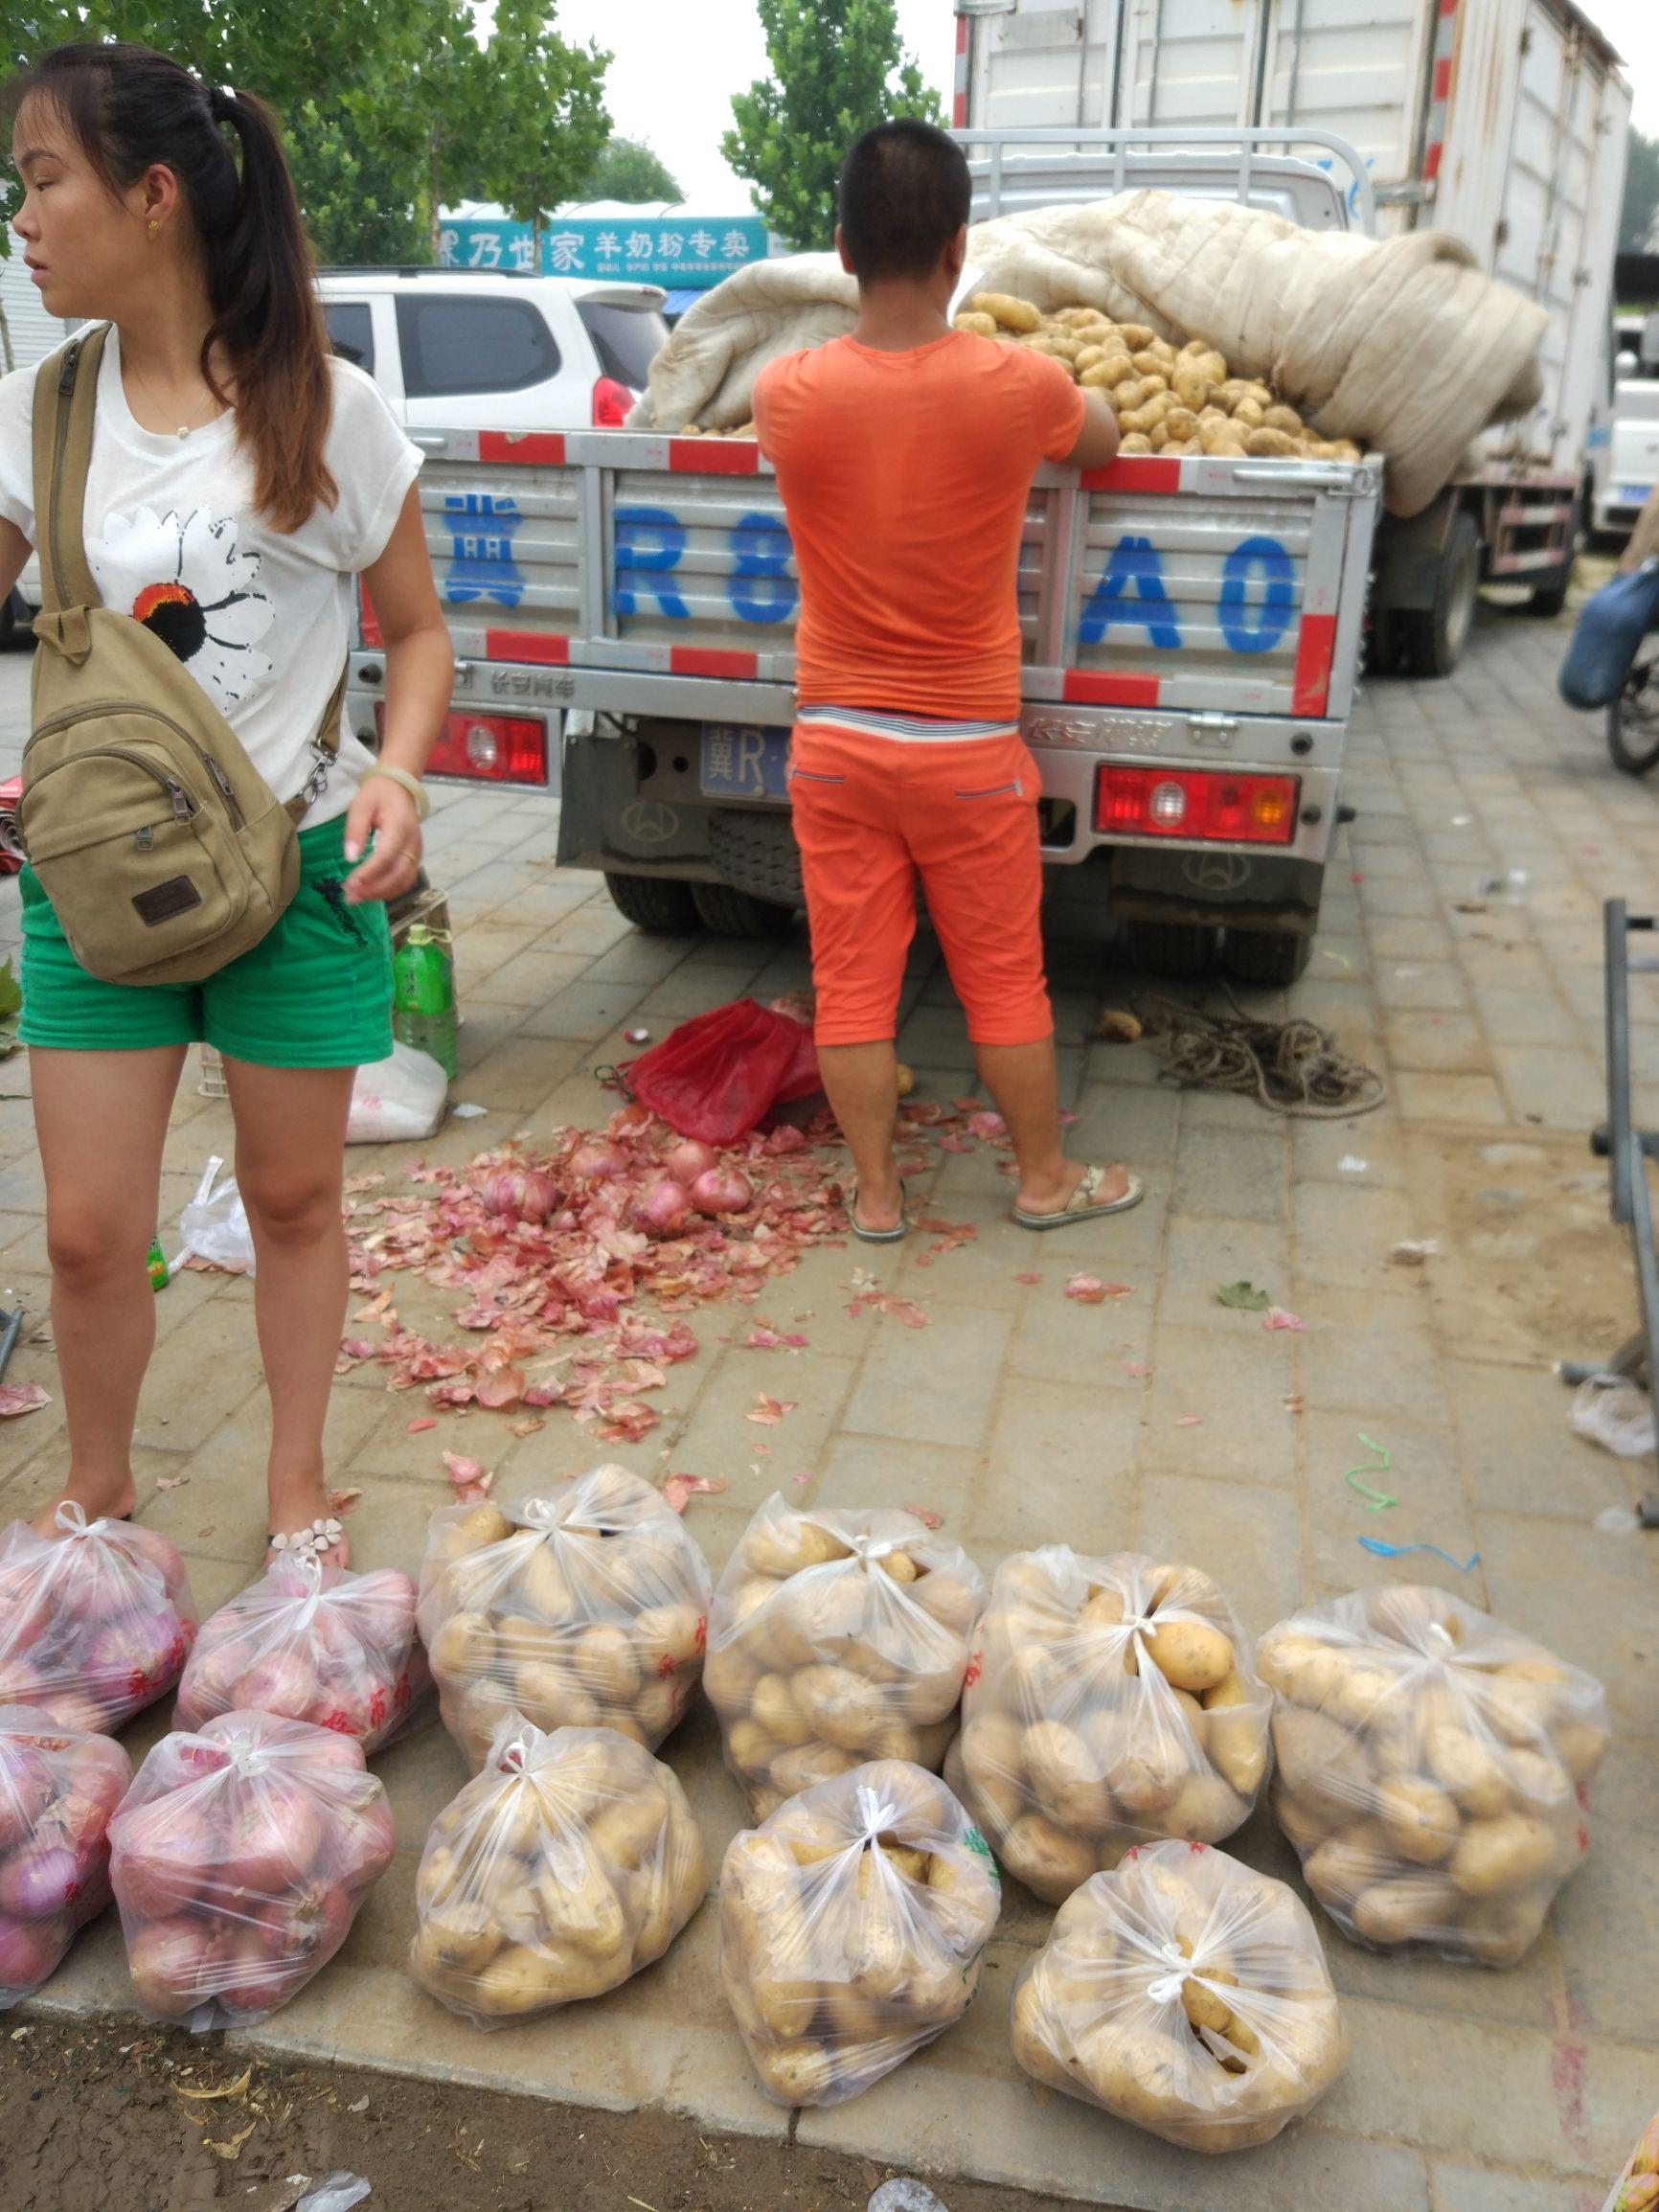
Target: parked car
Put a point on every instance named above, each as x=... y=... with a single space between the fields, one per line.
x=496 y=350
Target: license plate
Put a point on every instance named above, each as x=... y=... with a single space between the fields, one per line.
x=1635 y=493
x=742 y=760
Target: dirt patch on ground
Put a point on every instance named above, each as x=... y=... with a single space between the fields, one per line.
x=1530 y=1269
x=111 y=2117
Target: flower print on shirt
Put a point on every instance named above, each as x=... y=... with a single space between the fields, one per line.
x=183 y=577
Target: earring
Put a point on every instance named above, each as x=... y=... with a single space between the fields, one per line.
x=153 y=225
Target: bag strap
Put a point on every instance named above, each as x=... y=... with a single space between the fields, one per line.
x=325 y=746
x=65 y=402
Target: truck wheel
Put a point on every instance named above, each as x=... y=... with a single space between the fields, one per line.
x=1265 y=956
x=1432 y=640
x=1173 y=949
x=1550 y=597
x=659 y=905
x=730 y=913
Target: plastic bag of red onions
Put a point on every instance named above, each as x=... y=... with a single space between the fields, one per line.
x=310 y=1642
x=57 y=1792
x=95 y=1623
x=239 y=1860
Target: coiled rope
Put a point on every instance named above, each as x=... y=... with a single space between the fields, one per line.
x=1290 y=1067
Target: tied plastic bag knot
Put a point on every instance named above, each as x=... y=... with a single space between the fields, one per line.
x=544 y=1514
x=876 y=1815
x=516 y=1757
x=870 y=1550
x=73 y=1522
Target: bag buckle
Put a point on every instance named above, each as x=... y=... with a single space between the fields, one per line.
x=317 y=781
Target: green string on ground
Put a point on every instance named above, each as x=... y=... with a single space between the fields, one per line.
x=1376 y=1500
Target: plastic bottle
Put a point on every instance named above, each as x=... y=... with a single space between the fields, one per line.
x=424 y=995
x=159 y=1277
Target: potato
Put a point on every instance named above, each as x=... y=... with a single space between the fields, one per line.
x=1269 y=445
x=1190 y=1654
x=788 y=1545
x=476 y=1530
x=749 y=1748
x=1420 y=1821
x=982 y=326
x=1249 y=414
x=1283 y=417
x=1499 y=1857
x=622 y=1833
x=1181 y=421
x=1470 y=1770
x=1204 y=1809
x=1343 y=1865
x=463 y=1647
x=1136 y=336
x=1008 y=313
x=1408 y=1909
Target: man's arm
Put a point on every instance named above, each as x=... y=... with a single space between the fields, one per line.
x=1645 y=538
x=1097 y=439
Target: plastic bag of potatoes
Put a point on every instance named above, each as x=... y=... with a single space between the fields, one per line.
x=568 y=1865
x=1167 y=399
x=1110 y=1702
x=1428 y=1761
x=853 y=1924
x=586 y=1607
x=1187 y=1993
x=836 y=1637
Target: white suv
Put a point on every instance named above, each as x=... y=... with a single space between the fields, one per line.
x=486 y=349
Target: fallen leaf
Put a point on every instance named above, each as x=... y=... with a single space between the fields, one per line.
x=679 y=1489
x=227 y=2089
x=17 y=1398
x=1277 y=1319
x=233 y=2148
x=1242 y=1297
x=769 y=1412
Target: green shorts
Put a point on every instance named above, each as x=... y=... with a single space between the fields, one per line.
x=316 y=992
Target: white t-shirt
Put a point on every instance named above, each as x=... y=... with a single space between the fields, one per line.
x=261 y=619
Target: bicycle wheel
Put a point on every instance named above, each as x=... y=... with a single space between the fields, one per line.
x=1633 y=718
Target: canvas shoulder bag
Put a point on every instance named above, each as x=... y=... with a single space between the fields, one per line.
x=163 y=851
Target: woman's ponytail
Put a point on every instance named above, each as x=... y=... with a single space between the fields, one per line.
x=132 y=109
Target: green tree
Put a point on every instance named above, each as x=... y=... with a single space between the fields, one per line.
x=1640 y=207
x=630 y=169
x=837 y=68
x=363 y=203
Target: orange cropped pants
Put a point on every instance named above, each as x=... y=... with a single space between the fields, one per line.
x=871 y=815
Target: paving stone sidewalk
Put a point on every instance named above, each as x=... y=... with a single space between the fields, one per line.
x=1023 y=1417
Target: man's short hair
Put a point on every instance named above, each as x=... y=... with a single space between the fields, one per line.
x=905 y=194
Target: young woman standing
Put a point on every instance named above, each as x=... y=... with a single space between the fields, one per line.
x=240 y=480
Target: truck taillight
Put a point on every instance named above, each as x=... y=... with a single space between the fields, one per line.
x=493 y=748
x=1198 y=804
x=611 y=402
x=371 y=623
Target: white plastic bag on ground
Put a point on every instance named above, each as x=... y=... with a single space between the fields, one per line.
x=1431 y=1764
x=583 y=1608
x=571 y=1863
x=215 y=1225
x=1108 y=1702
x=1616 y=1415
x=396 y=1099
x=837 y=1636
x=1187 y=1994
x=852 y=1924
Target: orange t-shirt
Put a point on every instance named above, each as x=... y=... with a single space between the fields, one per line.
x=905 y=479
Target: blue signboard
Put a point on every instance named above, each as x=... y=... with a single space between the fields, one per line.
x=680 y=251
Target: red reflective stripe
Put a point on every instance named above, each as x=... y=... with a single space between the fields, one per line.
x=535 y=445
x=958 y=112
x=533 y=644
x=1314 y=653
x=962 y=35
x=715 y=456
x=1085 y=689
x=1448 y=7
x=1135 y=472
x=1431 y=163
x=1442 y=77
x=372 y=635
x=690 y=660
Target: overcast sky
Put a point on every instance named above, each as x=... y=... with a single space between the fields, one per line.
x=679 y=62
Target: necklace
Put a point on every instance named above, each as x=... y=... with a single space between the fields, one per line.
x=184 y=429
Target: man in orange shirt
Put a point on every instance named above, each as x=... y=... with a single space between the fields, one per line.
x=904 y=454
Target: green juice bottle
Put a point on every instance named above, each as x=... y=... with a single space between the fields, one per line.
x=424 y=995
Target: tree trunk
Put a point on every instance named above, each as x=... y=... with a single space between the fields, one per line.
x=433 y=196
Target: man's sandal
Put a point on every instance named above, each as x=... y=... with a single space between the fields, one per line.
x=894 y=1236
x=1083 y=1205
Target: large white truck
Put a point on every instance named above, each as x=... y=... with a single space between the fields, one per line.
x=1192 y=630
x=1501 y=123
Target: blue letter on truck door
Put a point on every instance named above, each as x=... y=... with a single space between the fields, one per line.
x=649 y=541
x=1134 y=560
x=1257 y=628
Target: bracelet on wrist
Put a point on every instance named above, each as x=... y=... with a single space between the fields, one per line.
x=405 y=782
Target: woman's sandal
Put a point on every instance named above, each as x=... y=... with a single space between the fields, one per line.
x=1082 y=1205
x=315 y=1542
x=896 y=1235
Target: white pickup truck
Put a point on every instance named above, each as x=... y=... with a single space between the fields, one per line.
x=1192 y=630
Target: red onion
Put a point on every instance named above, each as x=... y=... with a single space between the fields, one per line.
x=30 y=1951
x=722 y=1191
x=25 y=1792
x=661 y=1208
x=596 y=1161
x=172 y=1962
x=521 y=1194
x=39 y=1880
x=272 y=1840
x=691 y=1158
